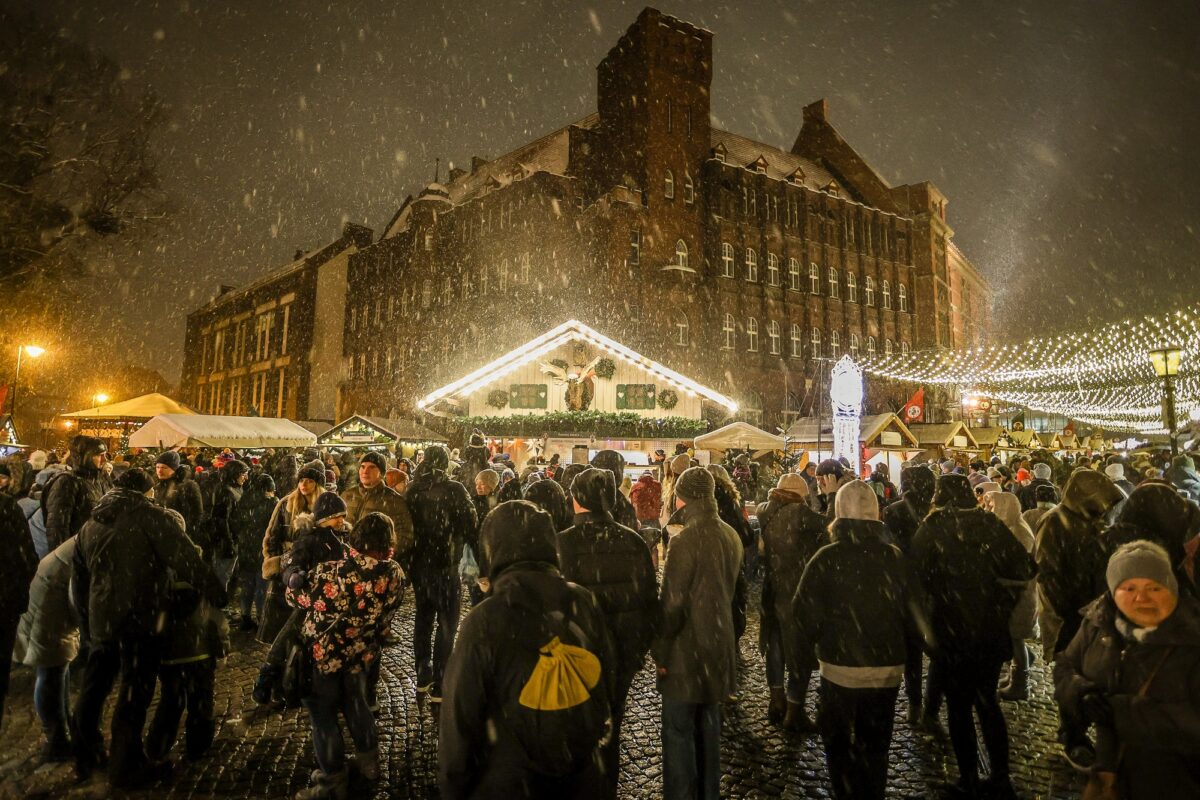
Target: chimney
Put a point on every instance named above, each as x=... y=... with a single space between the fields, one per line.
x=817 y=111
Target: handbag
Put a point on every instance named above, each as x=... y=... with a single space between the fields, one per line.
x=296 y=683
x=1102 y=785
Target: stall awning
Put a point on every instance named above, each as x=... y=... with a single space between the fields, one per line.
x=202 y=430
x=144 y=407
x=878 y=431
x=945 y=434
x=739 y=435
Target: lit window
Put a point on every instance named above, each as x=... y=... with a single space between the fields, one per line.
x=502 y=279
x=887 y=347
x=681 y=331
x=854 y=346
x=904 y=348
x=773 y=337
x=794 y=274
x=835 y=344
x=887 y=295
x=669 y=186
x=730 y=333
x=814 y=278
x=681 y=254
x=834 y=287
x=902 y=294
x=726 y=259
x=815 y=342
x=689 y=190
x=869 y=290
x=426 y=294
x=797 y=341
x=525 y=268
x=870 y=345
x=751 y=265
x=851 y=287
x=635 y=247
x=772 y=269
x=752 y=335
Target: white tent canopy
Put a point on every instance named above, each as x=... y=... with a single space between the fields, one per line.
x=144 y=407
x=739 y=435
x=202 y=430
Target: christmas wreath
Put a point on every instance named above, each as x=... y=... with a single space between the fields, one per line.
x=668 y=399
x=497 y=398
x=605 y=368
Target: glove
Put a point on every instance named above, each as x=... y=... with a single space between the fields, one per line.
x=297 y=579
x=1095 y=707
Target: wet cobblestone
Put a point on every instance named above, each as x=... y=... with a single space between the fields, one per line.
x=266 y=753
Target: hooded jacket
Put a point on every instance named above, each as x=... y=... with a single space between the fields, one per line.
x=480 y=751
x=613 y=562
x=697 y=645
x=48 y=635
x=852 y=606
x=1155 y=512
x=614 y=462
x=550 y=497
x=1027 y=494
x=251 y=518
x=124 y=558
x=19 y=558
x=69 y=497
x=219 y=539
x=180 y=493
x=443 y=520
x=1069 y=556
x=1183 y=476
x=646 y=497
x=905 y=515
x=1160 y=733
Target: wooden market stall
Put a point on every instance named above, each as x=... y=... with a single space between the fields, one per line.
x=115 y=422
x=884 y=439
x=573 y=391
x=942 y=440
x=740 y=436
x=404 y=437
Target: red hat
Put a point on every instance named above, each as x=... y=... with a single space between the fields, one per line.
x=1023 y=475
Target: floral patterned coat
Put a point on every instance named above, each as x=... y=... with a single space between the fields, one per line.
x=350 y=604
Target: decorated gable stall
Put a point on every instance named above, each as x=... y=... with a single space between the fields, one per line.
x=941 y=440
x=375 y=433
x=884 y=438
x=573 y=391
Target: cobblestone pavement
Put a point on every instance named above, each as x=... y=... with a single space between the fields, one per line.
x=267 y=754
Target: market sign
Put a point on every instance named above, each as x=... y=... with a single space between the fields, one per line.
x=891 y=439
x=960 y=441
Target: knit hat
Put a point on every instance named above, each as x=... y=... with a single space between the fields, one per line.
x=696 y=483
x=1023 y=475
x=993 y=473
x=169 y=458
x=328 y=506
x=374 y=533
x=1042 y=470
x=517 y=531
x=612 y=461
x=831 y=466
x=1141 y=559
x=856 y=500
x=793 y=482
x=232 y=469
x=953 y=491
x=264 y=483
x=680 y=464
x=135 y=479
x=37 y=460
x=1115 y=472
x=313 y=471
x=489 y=478
x=948 y=465
x=374 y=458
x=595 y=490
x=436 y=457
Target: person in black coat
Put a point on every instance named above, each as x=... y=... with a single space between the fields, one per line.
x=175 y=489
x=69 y=497
x=614 y=462
x=220 y=540
x=21 y=562
x=1153 y=512
x=549 y=496
x=729 y=509
x=498 y=728
x=444 y=521
x=852 y=607
x=903 y=517
x=970 y=571
x=613 y=562
x=1042 y=473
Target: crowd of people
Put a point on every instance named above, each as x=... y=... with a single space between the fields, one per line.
x=129 y=570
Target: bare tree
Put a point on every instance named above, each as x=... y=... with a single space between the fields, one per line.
x=76 y=161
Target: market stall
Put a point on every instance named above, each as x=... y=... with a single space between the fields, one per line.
x=115 y=422
x=884 y=438
x=202 y=430
x=942 y=440
x=9 y=441
x=740 y=436
x=574 y=391
x=402 y=436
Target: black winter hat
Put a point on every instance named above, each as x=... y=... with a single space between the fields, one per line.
x=233 y=469
x=831 y=466
x=515 y=531
x=374 y=533
x=476 y=439
x=314 y=471
x=612 y=461
x=328 y=505
x=264 y=482
x=135 y=479
x=84 y=447
x=170 y=458
x=918 y=481
x=436 y=457
x=595 y=490
x=954 y=490
x=374 y=458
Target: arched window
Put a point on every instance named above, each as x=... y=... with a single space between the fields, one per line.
x=815 y=342
x=447 y=291
x=887 y=296
x=904 y=348
x=426 y=293
x=483 y=284
x=525 y=268
x=669 y=186
x=794 y=274
x=774 y=337
x=902 y=295
x=726 y=260
x=835 y=290
x=502 y=280
x=682 y=331
x=689 y=190
x=851 y=287
x=814 y=278
x=751 y=265
x=869 y=291
x=835 y=345
x=870 y=345
x=854 y=346
x=887 y=347
x=797 y=341
x=729 y=331
x=681 y=254
x=752 y=335
x=772 y=269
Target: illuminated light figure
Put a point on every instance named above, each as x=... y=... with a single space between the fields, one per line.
x=846 y=394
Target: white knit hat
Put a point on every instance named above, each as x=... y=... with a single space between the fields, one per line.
x=1042 y=470
x=856 y=500
x=1115 y=472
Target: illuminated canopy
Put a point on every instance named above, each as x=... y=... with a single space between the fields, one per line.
x=144 y=407
x=203 y=430
x=571 y=330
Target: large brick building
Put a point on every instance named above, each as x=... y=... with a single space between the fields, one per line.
x=728 y=259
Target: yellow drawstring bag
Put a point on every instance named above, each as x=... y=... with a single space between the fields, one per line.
x=563 y=678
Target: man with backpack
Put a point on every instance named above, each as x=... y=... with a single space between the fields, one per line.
x=68 y=498
x=528 y=688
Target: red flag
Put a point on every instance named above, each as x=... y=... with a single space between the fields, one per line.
x=914 y=409
x=3 y=396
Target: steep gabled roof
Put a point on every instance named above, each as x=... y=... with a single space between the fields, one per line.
x=779 y=164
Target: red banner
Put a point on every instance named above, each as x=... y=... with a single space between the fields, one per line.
x=914 y=409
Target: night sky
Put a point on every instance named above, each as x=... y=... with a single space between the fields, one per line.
x=1064 y=133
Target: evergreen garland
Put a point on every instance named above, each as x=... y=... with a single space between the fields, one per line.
x=603 y=424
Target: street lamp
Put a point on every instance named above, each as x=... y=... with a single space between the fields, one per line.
x=1166 y=366
x=33 y=351
x=99 y=399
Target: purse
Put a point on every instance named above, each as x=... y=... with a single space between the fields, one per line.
x=1102 y=785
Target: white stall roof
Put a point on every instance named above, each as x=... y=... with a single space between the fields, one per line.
x=144 y=407
x=202 y=430
x=739 y=435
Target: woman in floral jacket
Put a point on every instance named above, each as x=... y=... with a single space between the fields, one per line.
x=349 y=605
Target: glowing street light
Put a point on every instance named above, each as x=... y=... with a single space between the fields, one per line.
x=99 y=399
x=1166 y=362
x=33 y=351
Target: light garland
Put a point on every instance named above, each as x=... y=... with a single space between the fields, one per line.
x=1102 y=377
